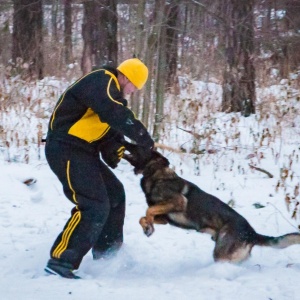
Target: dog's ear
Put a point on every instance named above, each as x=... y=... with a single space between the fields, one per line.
x=159 y=157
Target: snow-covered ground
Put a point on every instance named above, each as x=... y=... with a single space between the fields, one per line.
x=171 y=264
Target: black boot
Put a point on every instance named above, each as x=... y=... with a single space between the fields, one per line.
x=63 y=269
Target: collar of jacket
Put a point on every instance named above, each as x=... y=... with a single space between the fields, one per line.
x=115 y=72
x=111 y=69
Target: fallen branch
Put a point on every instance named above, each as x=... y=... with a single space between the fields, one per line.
x=261 y=170
x=181 y=151
x=194 y=134
x=165 y=147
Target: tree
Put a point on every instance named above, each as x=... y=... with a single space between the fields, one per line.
x=172 y=15
x=151 y=38
x=68 y=31
x=239 y=73
x=54 y=13
x=291 y=41
x=139 y=49
x=278 y=36
x=155 y=43
x=99 y=32
x=161 y=73
x=27 y=36
x=5 y=36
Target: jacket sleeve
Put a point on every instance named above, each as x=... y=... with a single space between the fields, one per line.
x=106 y=100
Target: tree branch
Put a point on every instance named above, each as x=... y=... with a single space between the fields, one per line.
x=261 y=170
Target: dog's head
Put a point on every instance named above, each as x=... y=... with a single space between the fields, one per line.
x=142 y=159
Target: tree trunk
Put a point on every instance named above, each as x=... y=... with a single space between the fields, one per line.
x=239 y=73
x=27 y=36
x=291 y=45
x=99 y=32
x=161 y=71
x=139 y=51
x=68 y=31
x=292 y=16
x=151 y=38
x=172 y=40
x=54 y=13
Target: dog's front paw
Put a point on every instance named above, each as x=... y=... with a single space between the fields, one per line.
x=148 y=229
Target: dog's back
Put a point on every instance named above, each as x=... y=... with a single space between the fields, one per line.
x=210 y=212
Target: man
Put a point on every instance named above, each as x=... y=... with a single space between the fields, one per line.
x=92 y=116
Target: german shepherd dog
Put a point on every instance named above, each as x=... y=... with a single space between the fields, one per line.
x=174 y=200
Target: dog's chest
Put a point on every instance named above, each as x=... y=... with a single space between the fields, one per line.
x=159 y=190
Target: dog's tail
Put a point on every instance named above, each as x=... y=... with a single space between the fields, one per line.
x=279 y=242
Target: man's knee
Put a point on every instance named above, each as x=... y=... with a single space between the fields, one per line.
x=117 y=195
x=93 y=210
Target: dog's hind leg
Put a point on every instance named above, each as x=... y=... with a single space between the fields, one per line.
x=231 y=251
x=237 y=256
x=229 y=248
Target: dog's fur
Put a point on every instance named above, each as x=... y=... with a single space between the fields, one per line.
x=174 y=200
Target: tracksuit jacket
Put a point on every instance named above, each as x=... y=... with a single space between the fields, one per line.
x=89 y=114
x=91 y=109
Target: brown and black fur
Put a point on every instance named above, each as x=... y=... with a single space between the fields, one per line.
x=174 y=200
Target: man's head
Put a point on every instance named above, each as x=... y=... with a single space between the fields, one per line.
x=135 y=73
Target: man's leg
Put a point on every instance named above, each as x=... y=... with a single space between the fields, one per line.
x=111 y=236
x=79 y=173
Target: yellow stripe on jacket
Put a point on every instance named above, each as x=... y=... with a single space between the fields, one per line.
x=89 y=127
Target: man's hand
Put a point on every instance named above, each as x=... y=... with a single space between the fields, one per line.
x=112 y=152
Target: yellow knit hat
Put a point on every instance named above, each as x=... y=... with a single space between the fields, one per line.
x=135 y=71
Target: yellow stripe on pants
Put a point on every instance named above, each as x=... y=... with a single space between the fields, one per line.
x=62 y=246
x=69 y=182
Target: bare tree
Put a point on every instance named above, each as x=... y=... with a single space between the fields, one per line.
x=161 y=73
x=292 y=40
x=151 y=37
x=99 y=32
x=68 y=31
x=239 y=73
x=139 y=49
x=27 y=35
x=54 y=13
x=172 y=30
x=278 y=35
x=5 y=36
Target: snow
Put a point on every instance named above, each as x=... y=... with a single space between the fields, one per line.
x=173 y=263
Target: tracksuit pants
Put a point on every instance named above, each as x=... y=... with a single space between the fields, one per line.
x=97 y=219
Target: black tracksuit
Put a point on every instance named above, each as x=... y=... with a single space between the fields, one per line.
x=89 y=114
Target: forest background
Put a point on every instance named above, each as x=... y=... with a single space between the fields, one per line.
x=214 y=64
